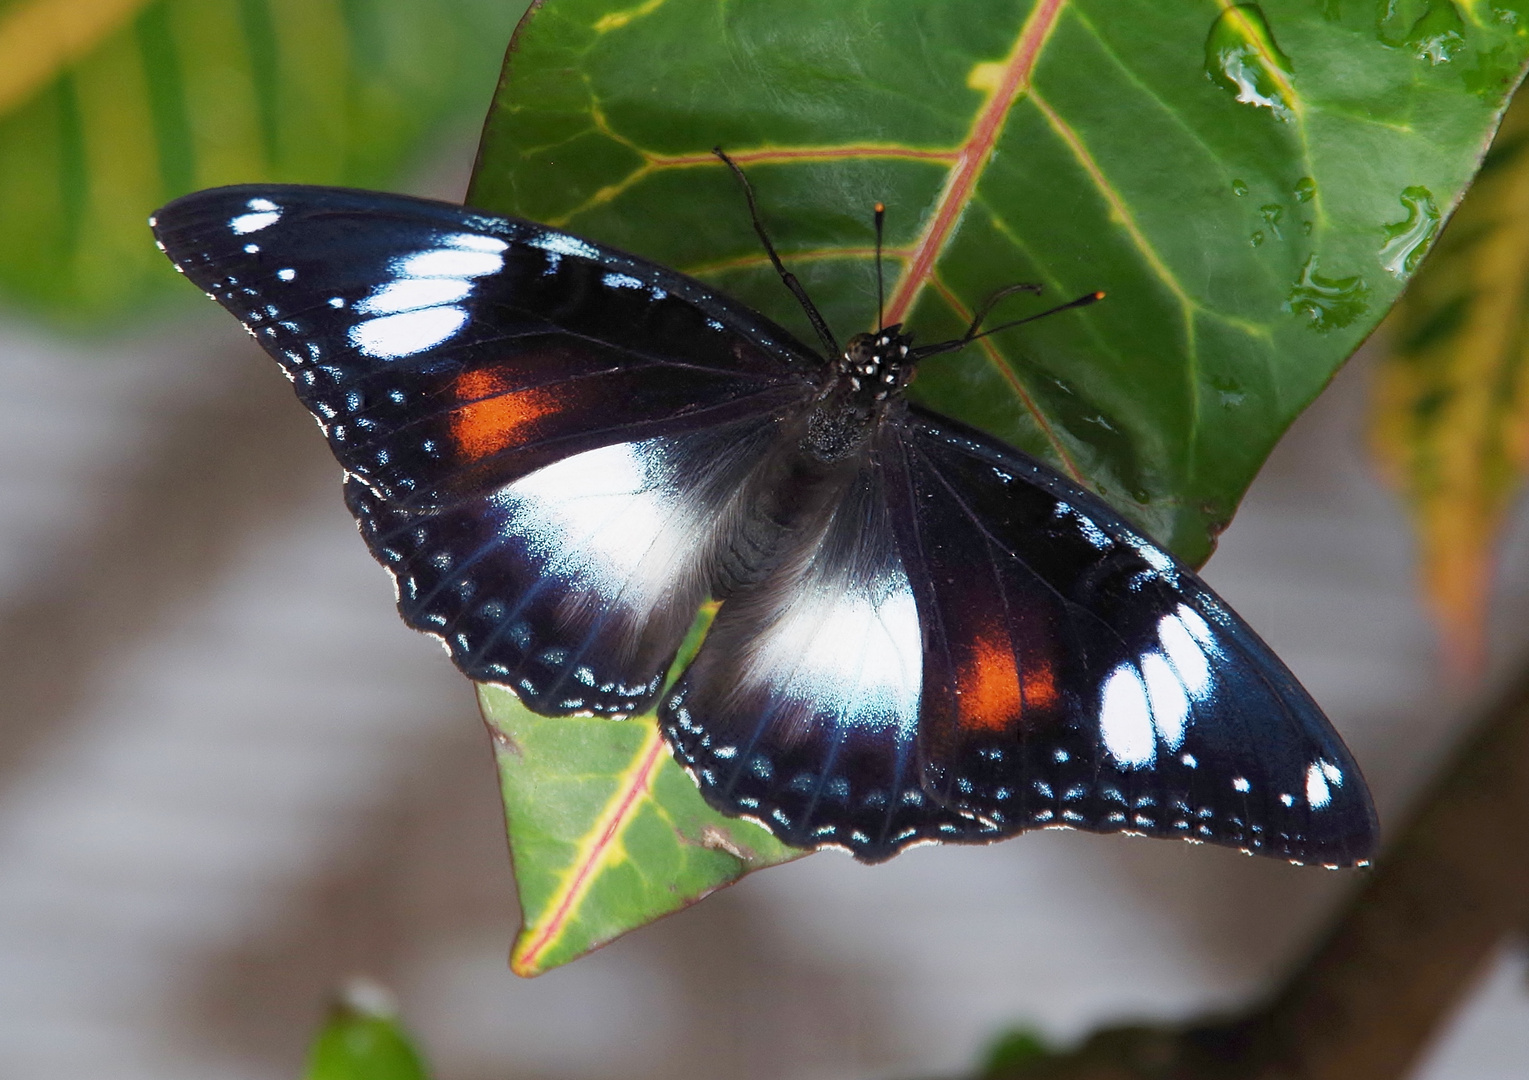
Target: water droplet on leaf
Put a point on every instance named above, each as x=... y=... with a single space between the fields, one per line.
x=1405 y=240
x=1330 y=303
x=1271 y=215
x=1241 y=55
x=1305 y=189
x=1239 y=188
x=1257 y=237
x=1438 y=35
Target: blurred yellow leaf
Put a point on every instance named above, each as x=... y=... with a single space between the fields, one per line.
x=1450 y=420
x=109 y=108
x=39 y=38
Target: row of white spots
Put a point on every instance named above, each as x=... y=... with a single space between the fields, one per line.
x=419 y=307
x=1140 y=705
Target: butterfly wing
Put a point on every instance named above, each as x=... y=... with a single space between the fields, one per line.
x=971 y=647
x=541 y=436
x=801 y=709
x=1076 y=675
x=445 y=351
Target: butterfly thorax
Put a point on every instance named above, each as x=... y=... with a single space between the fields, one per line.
x=876 y=366
x=794 y=492
x=866 y=379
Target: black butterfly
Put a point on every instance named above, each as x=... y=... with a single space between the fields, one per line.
x=560 y=451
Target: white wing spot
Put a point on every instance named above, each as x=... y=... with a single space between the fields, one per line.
x=563 y=244
x=1125 y=718
x=411 y=294
x=1170 y=706
x=262 y=218
x=1184 y=652
x=1318 y=794
x=391 y=336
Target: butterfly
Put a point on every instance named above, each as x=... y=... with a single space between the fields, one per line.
x=561 y=452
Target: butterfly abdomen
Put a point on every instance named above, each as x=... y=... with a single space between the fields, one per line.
x=790 y=496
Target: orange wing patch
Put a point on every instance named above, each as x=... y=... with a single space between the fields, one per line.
x=494 y=418
x=993 y=692
x=1040 y=684
x=989 y=686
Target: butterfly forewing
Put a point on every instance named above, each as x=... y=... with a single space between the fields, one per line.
x=446 y=352
x=1076 y=676
x=542 y=437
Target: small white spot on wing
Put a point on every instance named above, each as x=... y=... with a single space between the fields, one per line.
x=563 y=244
x=391 y=336
x=1318 y=794
x=1184 y=651
x=1125 y=718
x=263 y=214
x=410 y=294
x=1170 y=705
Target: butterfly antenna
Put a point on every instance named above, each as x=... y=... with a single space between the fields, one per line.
x=972 y=335
x=880 y=212
x=786 y=276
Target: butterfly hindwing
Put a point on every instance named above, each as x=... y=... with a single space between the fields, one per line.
x=802 y=707
x=575 y=584
x=971 y=646
x=445 y=352
x=1075 y=675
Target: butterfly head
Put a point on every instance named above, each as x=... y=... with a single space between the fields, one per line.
x=875 y=367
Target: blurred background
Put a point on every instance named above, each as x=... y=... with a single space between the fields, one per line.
x=231 y=779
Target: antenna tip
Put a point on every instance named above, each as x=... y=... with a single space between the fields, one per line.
x=880 y=208
x=1099 y=295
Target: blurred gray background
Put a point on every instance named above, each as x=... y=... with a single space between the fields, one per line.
x=231 y=779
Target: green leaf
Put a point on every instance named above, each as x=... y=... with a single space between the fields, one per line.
x=1450 y=413
x=608 y=833
x=1226 y=173
x=1013 y=1050
x=109 y=108
x=1251 y=185
x=362 y=1040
